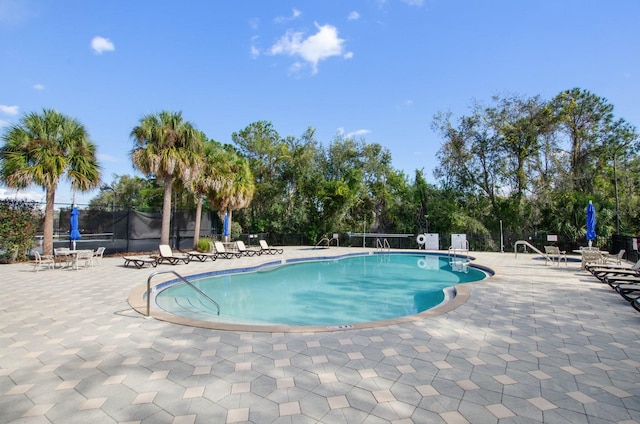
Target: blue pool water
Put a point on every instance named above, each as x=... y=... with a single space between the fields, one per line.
x=330 y=292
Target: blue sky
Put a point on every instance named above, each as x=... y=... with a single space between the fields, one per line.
x=377 y=69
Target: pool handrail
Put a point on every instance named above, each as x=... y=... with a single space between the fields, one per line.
x=382 y=245
x=170 y=271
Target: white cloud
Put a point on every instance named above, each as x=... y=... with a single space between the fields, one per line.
x=255 y=52
x=22 y=195
x=357 y=133
x=9 y=110
x=353 y=16
x=319 y=46
x=417 y=3
x=295 y=14
x=101 y=44
x=340 y=132
x=38 y=87
x=4 y=123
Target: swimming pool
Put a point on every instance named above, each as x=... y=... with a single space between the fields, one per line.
x=335 y=293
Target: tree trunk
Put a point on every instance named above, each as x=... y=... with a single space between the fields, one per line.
x=47 y=242
x=196 y=230
x=166 y=211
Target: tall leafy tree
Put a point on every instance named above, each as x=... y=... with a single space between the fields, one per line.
x=126 y=192
x=44 y=148
x=268 y=157
x=520 y=124
x=237 y=188
x=583 y=119
x=471 y=161
x=619 y=140
x=166 y=147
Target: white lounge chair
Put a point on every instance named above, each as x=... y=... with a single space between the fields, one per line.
x=202 y=256
x=140 y=261
x=268 y=249
x=222 y=252
x=167 y=255
x=245 y=251
x=603 y=271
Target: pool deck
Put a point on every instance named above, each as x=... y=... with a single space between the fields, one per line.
x=532 y=344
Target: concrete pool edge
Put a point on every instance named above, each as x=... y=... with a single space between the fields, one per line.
x=137 y=301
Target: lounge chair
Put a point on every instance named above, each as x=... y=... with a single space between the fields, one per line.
x=602 y=274
x=202 y=256
x=244 y=251
x=607 y=270
x=43 y=261
x=608 y=266
x=636 y=304
x=140 y=261
x=629 y=292
x=268 y=249
x=167 y=255
x=221 y=251
x=554 y=254
x=615 y=280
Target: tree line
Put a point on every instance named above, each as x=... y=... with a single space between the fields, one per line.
x=529 y=163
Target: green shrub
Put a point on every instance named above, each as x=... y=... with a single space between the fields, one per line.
x=203 y=244
x=18 y=225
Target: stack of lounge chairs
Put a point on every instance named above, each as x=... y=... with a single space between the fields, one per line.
x=624 y=280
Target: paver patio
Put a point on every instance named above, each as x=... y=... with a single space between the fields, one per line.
x=534 y=343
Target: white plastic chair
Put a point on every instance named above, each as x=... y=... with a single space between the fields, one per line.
x=97 y=255
x=43 y=261
x=617 y=259
x=83 y=256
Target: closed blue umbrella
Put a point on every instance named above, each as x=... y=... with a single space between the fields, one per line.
x=74 y=234
x=591 y=222
x=225 y=228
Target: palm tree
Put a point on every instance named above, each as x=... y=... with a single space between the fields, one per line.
x=44 y=148
x=238 y=188
x=167 y=147
x=209 y=179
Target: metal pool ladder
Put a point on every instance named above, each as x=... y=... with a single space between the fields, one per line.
x=382 y=245
x=153 y=274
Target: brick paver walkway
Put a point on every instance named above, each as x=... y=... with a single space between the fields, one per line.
x=533 y=344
